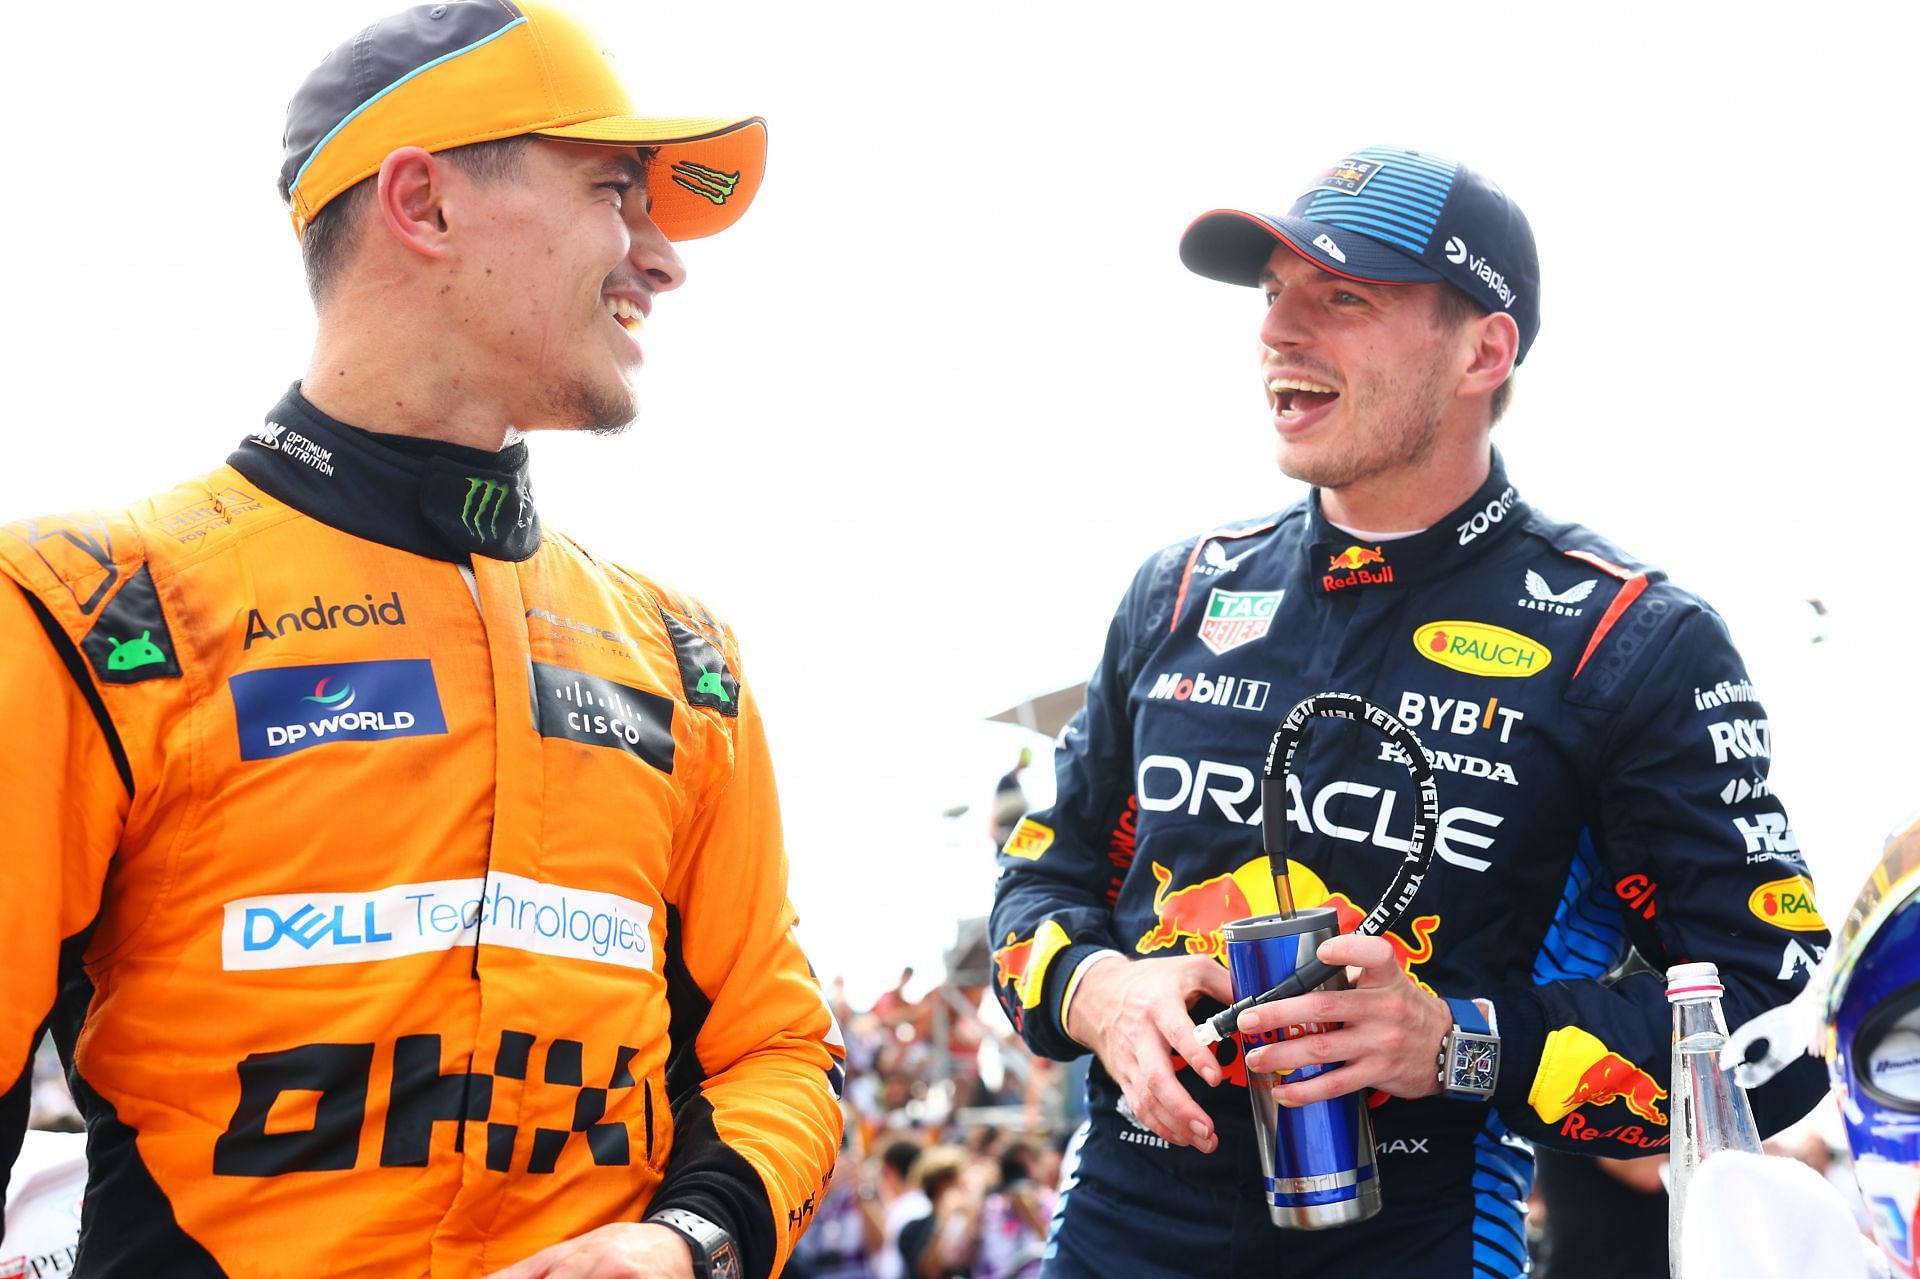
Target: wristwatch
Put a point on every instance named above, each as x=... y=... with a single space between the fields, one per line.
x=714 y=1254
x=1469 y=1054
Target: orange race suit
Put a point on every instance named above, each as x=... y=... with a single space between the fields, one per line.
x=403 y=884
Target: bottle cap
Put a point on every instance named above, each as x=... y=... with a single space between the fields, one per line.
x=1693 y=981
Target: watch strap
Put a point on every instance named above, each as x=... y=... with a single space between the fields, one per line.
x=1467 y=1016
x=715 y=1255
x=1469 y=1060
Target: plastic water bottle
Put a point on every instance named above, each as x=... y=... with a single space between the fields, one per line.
x=1707 y=1111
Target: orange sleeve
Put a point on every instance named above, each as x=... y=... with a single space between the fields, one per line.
x=754 y=1145
x=65 y=789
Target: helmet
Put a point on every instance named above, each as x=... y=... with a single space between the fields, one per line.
x=1872 y=1043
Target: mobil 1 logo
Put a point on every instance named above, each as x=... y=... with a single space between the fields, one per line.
x=597 y=711
x=1210 y=690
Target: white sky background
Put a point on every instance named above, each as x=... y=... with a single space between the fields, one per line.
x=914 y=422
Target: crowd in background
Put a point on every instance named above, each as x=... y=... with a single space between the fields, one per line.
x=953 y=1146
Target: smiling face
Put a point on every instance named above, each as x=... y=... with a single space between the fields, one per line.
x=557 y=271
x=1360 y=377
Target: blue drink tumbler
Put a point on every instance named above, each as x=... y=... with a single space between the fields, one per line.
x=1317 y=1160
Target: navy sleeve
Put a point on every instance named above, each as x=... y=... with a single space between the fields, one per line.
x=1699 y=853
x=1061 y=869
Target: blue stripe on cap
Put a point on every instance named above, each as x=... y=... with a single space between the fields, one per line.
x=1379 y=225
x=1400 y=204
x=424 y=67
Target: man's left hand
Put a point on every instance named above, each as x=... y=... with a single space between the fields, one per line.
x=1387 y=1029
x=625 y=1250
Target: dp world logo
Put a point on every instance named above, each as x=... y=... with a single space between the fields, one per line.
x=332 y=701
x=1455 y=249
x=291 y=708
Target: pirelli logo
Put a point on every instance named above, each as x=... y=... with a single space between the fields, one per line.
x=1029 y=840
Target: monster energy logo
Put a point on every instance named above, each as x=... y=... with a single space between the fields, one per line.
x=480 y=513
x=699 y=179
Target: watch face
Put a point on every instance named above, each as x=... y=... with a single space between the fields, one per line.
x=1473 y=1065
x=725 y=1262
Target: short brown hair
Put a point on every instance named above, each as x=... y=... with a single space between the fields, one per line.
x=330 y=236
x=1452 y=308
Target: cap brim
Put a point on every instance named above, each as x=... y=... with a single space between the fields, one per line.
x=1233 y=246
x=705 y=172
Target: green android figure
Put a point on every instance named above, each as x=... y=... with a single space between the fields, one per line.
x=134 y=653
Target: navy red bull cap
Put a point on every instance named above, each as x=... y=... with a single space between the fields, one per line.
x=1384 y=215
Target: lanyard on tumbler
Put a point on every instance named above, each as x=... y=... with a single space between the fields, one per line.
x=1274 y=834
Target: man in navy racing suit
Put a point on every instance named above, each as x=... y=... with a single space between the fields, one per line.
x=1601 y=757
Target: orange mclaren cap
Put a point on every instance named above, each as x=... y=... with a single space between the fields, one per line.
x=444 y=75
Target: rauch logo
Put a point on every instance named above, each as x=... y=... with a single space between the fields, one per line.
x=1480 y=649
x=1787 y=903
x=291 y=708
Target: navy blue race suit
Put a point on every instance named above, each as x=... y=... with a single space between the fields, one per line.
x=1603 y=786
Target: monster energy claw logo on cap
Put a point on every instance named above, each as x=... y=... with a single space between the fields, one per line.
x=702 y=181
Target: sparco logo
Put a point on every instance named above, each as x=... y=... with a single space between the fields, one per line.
x=322 y=616
x=1217 y=690
x=1625 y=644
x=1167 y=784
x=1459 y=254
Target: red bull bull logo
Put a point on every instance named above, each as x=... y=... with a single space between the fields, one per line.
x=1194 y=914
x=1577 y=1069
x=1356 y=557
x=1022 y=965
x=1351 y=568
x=1010 y=962
x=1407 y=954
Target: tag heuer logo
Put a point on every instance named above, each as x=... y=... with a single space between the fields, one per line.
x=1234 y=618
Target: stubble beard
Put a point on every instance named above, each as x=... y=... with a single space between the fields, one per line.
x=584 y=404
x=1406 y=424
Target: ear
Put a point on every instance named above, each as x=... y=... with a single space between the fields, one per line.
x=1495 y=340
x=410 y=190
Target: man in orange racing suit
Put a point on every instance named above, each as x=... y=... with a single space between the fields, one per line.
x=403 y=882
